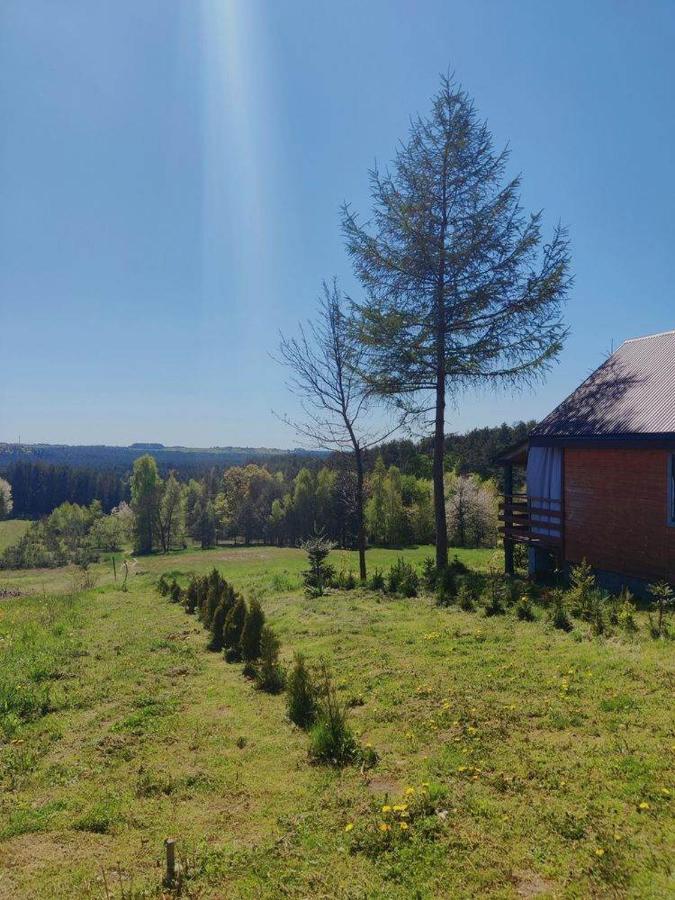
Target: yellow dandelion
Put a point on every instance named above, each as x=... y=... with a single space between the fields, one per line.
x=384 y=826
x=599 y=851
x=386 y=809
x=644 y=805
x=349 y=826
x=403 y=826
x=409 y=791
x=665 y=792
x=425 y=784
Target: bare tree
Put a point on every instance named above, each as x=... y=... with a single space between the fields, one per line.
x=325 y=361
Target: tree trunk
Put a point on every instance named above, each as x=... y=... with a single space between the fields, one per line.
x=439 y=485
x=361 y=533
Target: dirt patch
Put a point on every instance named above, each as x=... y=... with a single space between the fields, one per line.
x=529 y=884
x=380 y=784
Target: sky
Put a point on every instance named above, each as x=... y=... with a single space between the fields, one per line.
x=171 y=175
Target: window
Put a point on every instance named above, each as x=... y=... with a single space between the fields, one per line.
x=671 y=490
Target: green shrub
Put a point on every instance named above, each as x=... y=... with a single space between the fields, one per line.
x=234 y=625
x=217 y=625
x=558 y=611
x=597 y=612
x=582 y=591
x=192 y=595
x=251 y=634
x=626 y=612
x=301 y=694
x=447 y=585
x=429 y=573
x=175 y=592
x=494 y=596
x=466 y=599
x=270 y=675
x=525 y=609
x=331 y=739
x=163 y=586
x=215 y=593
x=663 y=601
x=319 y=574
x=377 y=582
x=403 y=579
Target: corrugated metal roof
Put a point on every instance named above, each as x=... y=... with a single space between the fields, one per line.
x=632 y=393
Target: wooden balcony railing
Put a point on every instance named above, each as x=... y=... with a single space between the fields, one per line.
x=536 y=521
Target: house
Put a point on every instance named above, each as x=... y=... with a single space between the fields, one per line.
x=600 y=473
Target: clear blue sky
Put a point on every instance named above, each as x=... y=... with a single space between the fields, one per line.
x=171 y=172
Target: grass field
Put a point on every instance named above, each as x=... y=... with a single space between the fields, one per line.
x=554 y=751
x=11 y=531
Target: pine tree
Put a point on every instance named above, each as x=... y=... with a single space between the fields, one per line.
x=234 y=625
x=458 y=293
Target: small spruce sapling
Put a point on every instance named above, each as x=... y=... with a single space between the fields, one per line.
x=234 y=625
x=251 y=634
x=270 y=675
x=318 y=576
x=663 y=601
x=301 y=694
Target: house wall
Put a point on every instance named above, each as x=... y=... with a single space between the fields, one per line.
x=616 y=511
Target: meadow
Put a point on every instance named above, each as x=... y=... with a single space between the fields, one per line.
x=549 y=754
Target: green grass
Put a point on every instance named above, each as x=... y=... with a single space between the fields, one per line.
x=11 y=531
x=120 y=730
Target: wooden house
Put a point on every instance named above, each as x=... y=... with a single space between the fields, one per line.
x=600 y=473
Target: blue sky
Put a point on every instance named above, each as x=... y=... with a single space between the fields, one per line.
x=171 y=173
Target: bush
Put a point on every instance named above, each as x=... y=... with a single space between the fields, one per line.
x=376 y=582
x=429 y=573
x=193 y=595
x=319 y=574
x=626 y=612
x=251 y=634
x=558 y=611
x=301 y=694
x=581 y=594
x=217 y=625
x=215 y=592
x=663 y=600
x=270 y=675
x=234 y=625
x=465 y=596
x=446 y=586
x=495 y=595
x=163 y=586
x=175 y=592
x=331 y=739
x=403 y=579
x=525 y=609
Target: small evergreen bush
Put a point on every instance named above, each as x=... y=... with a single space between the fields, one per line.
x=331 y=739
x=403 y=579
x=319 y=574
x=192 y=595
x=217 y=625
x=429 y=573
x=175 y=592
x=663 y=601
x=558 y=611
x=301 y=694
x=626 y=612
x=465 y=596
x=163 y=586
x=582 y=591
x=494 y=597
x=525 y=609
x=234 y=625
x=251 y=634
x=446 y=586
x=377 y=582
x=270 y=675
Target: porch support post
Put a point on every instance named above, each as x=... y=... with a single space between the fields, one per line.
x=508 y=496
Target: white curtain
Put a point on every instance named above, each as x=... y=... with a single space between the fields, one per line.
x=544 y=488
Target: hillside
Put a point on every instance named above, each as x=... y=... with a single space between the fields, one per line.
x=545 y=757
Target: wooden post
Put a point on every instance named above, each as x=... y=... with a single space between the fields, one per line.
x=170 y=876
x=509 y=568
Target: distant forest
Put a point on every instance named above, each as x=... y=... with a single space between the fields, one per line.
x=44 y=476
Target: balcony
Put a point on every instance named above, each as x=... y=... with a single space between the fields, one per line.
x=534 y=521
